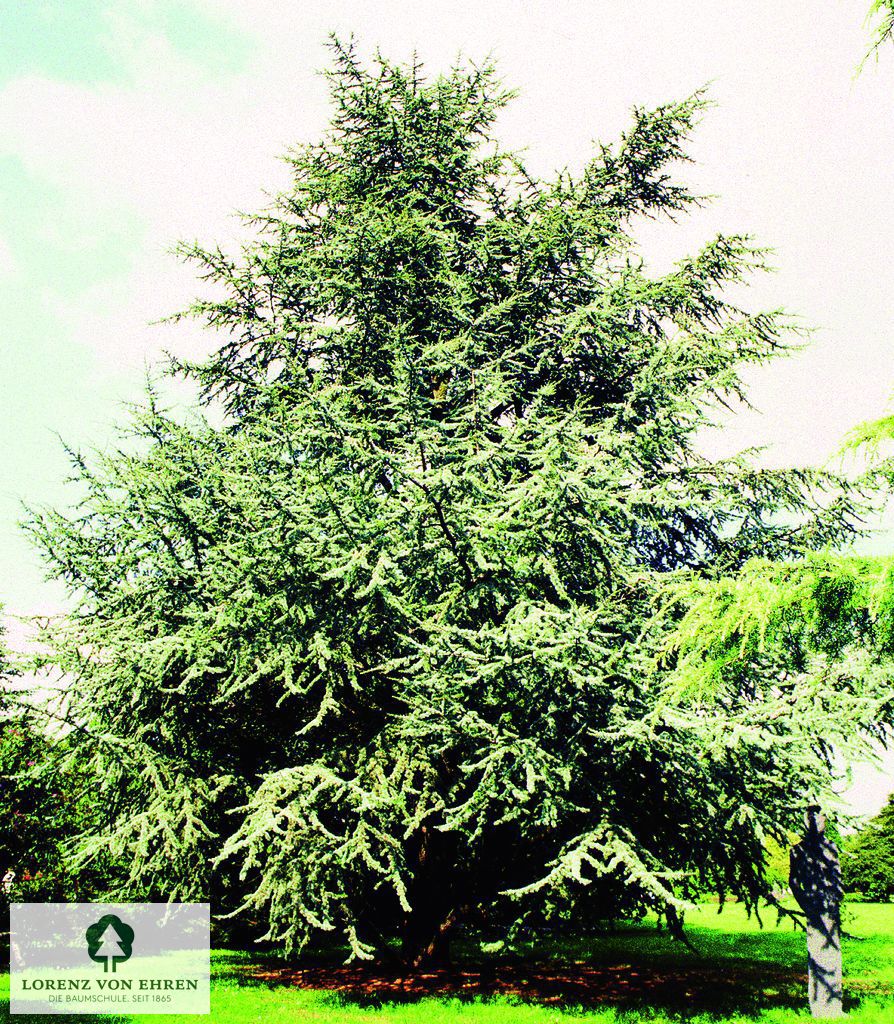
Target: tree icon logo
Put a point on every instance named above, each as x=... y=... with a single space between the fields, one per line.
x=110 y=942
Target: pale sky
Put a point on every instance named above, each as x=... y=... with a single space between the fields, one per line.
x=129 y=124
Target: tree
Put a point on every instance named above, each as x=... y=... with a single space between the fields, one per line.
x=868 y=862
x=390 y=650
x=108 y=940
x=881 y=18
x=45 y=801
x=109 y=947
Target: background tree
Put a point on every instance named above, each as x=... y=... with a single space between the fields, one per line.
x=867 y=865
x=46 y=799
x=392 y=649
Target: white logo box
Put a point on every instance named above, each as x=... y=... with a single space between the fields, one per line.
x=112 y=958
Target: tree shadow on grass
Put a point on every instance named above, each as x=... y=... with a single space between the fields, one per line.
x=744 y=987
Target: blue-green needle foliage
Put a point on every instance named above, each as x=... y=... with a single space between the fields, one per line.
x=380 y=656
x=881 y=22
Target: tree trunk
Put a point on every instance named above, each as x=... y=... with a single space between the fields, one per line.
x=426 y=932
x=426 y=940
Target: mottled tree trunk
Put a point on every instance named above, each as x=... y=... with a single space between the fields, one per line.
x=815 y=880
x=824 y=966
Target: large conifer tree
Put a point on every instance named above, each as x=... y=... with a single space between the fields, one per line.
x=389 y=650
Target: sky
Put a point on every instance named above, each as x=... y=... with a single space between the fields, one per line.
x=127 y=126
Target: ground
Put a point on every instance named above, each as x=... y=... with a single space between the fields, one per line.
x=737 y=972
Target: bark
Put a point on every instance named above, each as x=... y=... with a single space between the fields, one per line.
x=815 y=881
x=426 y=931
x=427 y=940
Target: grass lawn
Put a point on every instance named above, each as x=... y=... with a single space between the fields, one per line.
x=737 y=972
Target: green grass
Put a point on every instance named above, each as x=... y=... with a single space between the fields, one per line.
x=747 y=961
